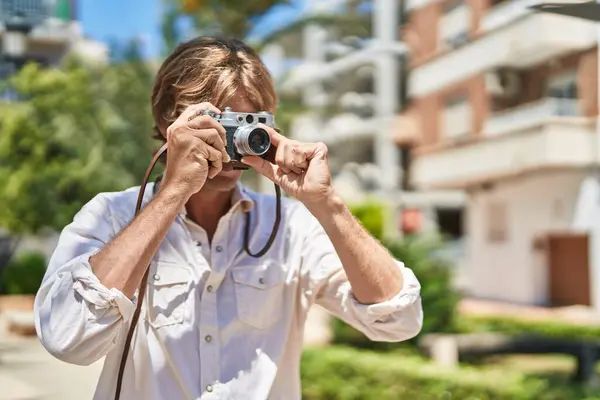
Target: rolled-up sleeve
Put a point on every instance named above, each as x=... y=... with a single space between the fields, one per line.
x=78 y=320
x=394 y=320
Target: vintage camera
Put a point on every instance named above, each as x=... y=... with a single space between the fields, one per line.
x=244 y=137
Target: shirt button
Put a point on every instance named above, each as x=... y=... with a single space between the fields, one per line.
x=199 y=244
x=209 y=388
x=156 y=277
x=219 y=249
x=208 y=338
x=209 y=288
x=261 y=281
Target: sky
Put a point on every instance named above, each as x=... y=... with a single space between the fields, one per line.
x=106 y=20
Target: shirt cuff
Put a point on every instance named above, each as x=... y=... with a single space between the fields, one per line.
x=86 y=284
x=381 y=312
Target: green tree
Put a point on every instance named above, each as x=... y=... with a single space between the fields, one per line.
x=233 y=18
x=74 y=132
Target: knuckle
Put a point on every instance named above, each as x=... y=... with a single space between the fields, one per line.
x=323 y=147
x=214 y=133
x=205 y=119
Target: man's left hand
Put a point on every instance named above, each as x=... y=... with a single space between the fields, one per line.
x=300 y=169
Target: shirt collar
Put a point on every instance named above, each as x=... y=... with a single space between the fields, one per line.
x=239 y=196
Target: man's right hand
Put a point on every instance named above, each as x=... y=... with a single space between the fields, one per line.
x=196 y=149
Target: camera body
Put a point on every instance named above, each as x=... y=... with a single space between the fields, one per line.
x=244 y=137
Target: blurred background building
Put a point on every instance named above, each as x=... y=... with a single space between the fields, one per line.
x=43 y=31
x=474 y=119
x=505 y=101
x=348 y=66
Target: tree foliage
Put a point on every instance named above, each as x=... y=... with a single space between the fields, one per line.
x=74 y=132
x=233 y=18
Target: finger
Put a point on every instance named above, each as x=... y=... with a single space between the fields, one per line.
x=298 y=158
x=212 y=137
x=262 y=166
x=216 y=161
x=206 y=122
x=197 y=109
x=290 y=164
x=280 y=159
x=276 y=137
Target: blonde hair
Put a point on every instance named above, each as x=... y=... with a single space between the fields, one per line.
x=210 y=69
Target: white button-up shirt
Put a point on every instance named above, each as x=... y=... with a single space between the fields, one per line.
x=215 y=323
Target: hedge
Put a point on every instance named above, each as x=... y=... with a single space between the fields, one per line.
x=342 y=373
x=23 y=274
x=439 y=299
x=473 y=324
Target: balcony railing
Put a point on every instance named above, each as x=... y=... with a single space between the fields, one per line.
x=529 y=115
x=505 y=13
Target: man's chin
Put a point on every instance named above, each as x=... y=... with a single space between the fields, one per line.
x=225 y=180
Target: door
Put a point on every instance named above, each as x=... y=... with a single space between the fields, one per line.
x=568 y=264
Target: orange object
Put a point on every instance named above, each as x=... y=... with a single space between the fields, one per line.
x=191 y=6
x=411 y=220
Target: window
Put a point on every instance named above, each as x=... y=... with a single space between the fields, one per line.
x=450 y=222
x=562 y=86
x=456 y=117
x=497 y=222
x=455 y=25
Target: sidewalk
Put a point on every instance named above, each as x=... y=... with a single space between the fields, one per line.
x=27 y=371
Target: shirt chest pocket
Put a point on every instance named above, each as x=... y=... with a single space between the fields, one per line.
x=259 y=292
x=168 y=291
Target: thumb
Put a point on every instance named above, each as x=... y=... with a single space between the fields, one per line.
x=261 y=165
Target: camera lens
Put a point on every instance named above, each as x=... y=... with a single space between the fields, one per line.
x=251 y=141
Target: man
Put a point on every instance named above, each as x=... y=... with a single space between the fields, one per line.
x=216 y=323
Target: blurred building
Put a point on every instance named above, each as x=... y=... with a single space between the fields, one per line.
x=352 y=85
x=505 y=100
x=43 y=31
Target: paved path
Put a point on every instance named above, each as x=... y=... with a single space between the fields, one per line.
x=27 y=371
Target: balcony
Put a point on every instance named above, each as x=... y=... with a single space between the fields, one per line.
x=522 y=43
x=506 y=13
x=558 y=142
x=530 y=115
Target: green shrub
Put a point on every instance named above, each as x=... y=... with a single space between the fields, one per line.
x=23 y=274
x=349 y=374
x=438 y=296
x=372 y=216
x=435 y=275
x=473 y=324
